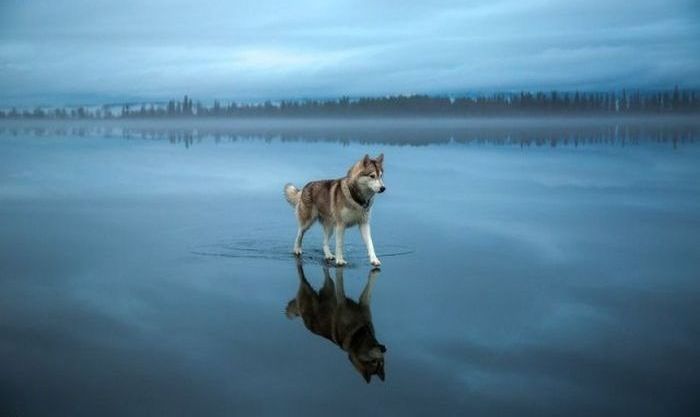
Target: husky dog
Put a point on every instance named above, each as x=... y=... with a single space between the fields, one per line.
x=348 y=324
x=339 y=204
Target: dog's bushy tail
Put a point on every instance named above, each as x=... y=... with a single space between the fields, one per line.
x=292 y=194
x=292 y=309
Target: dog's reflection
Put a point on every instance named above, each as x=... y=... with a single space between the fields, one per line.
x=348 y=324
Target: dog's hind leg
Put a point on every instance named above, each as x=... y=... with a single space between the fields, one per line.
x=327 y=291
x=306 y=218
x=303 y=227
x=327 y=233
x=292 y=309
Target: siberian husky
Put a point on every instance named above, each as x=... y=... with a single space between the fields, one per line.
x=339 y=204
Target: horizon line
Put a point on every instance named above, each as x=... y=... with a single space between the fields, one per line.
x=334 y=98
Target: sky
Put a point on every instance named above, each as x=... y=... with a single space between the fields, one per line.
x=72 y=51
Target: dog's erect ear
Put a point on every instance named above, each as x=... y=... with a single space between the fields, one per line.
x=366 y=375
x=380 y=372
x=380 y=159
x=365 y=160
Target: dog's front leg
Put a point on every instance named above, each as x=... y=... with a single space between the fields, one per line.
x=367 y=238
x=339 y=286
x=339 y=237
x=366 y=295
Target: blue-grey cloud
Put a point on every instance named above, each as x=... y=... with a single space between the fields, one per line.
x=102 y=50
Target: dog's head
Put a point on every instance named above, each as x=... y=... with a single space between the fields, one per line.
x=368 y=359
x=368 y=173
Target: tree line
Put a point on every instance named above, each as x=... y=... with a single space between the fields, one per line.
x=675 y=101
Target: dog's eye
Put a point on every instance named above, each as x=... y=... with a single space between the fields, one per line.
x=372 y=176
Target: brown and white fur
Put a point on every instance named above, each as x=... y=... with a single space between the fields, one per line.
x=345 y=322
x=339 y=204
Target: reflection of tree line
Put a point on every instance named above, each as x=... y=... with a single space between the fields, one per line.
x=554 y=102
x=598 y=132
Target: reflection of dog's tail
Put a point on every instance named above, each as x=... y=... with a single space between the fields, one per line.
x=292 y=194
x=292 y=309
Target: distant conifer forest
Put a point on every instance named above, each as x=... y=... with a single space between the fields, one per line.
x=623 y=102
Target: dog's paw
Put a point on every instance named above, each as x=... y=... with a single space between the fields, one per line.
x=375 y=262
x=297 y=251
x=340 y=262
x=329 y=257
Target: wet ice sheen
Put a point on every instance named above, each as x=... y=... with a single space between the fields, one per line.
x=529 y=280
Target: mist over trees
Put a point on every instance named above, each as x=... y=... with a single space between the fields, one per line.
x=675 y=101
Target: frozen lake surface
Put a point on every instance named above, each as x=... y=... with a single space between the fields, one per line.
x=532 y=271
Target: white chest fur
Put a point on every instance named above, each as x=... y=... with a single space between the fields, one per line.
x=353 y=216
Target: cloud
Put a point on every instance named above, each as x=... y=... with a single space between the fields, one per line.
x=251 y=51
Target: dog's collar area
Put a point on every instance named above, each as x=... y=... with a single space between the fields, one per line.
x=351 y=338
x=357 y=197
